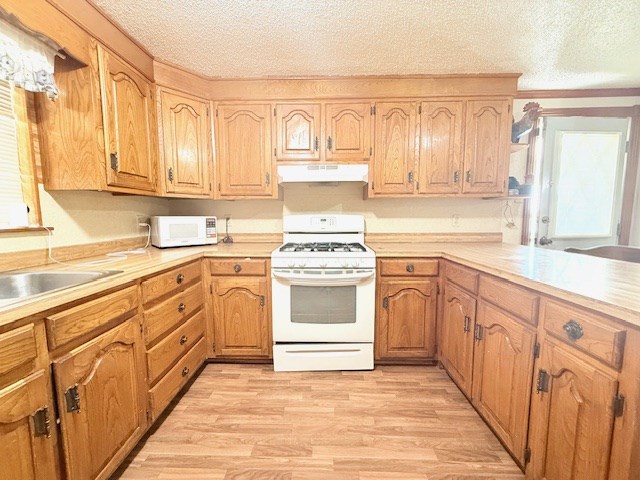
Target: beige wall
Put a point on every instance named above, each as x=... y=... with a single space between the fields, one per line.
x=416 y=215
x=86 y=217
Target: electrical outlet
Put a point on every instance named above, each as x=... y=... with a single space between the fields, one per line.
x=455 y=220
x=142 y=219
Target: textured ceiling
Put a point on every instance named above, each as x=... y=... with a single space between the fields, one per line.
x=556 y=44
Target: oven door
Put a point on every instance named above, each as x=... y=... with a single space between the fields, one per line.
x=323 y=305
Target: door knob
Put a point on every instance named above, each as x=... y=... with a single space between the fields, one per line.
x=545 y=241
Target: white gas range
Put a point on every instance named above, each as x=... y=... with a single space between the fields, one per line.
x=323 y=295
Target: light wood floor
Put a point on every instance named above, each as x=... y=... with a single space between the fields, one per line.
x=249 y=422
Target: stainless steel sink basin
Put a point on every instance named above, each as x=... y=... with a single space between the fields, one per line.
x=19 y=285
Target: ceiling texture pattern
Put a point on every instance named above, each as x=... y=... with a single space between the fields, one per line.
x=555 y=44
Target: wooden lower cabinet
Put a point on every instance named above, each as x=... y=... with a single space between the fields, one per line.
x=28 y=429
x=572 y=417
x=240 y=316
x=502 y=367
x=456 y=335
x=101 y=395
x=406 y=326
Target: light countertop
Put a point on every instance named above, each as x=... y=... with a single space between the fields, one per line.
x=609 y=286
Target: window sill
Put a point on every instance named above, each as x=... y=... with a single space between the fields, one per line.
x=27 y=230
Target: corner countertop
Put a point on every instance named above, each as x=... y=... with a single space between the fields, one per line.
x=608 y=286
x=611 y=287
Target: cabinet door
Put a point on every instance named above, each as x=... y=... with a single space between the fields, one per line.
x=456 y=336
x=407 y=319
x=27 y=429
x=185 y=144
x=394 y=160
x=348 y=132
x=244 y=151
x=503 y=369
x=128 y=110
x=440 y=147
x=240 y=318
x=298 y=132
x=572 y=422
x=486 y=153
x=101 y=393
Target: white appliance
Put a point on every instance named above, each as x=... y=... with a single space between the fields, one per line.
x=323 y=295
x=323 y=173
x=183 y=231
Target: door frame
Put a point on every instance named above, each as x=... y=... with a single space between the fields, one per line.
x=630 y=174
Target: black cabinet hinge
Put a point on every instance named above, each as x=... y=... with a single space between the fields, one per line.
x=477 y=333
x=419 y=109
x=536 y=350
x=42 y=423
x=618 y=405
x=72 y=396
x=527 y=455
x=542 y=384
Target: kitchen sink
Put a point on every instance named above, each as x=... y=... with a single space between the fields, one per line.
x=16 y=286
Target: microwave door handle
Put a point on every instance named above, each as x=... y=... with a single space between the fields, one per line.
x=323 y=280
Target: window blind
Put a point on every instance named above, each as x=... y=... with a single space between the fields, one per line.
x=10 y=180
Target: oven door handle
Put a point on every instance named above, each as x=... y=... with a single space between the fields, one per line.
x=323 y=280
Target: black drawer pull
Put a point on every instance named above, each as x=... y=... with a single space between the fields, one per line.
x=183 y=339
x=574 y=329
x=185 y=371
x=179 y=278
x=181 y=307
x=237 y=268
x=410 y=267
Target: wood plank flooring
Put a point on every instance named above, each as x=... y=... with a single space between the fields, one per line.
x=249 y=422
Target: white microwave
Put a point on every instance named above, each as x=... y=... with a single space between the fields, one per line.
x=183 y=231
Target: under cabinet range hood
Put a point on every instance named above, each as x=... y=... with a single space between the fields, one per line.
x=323 y=173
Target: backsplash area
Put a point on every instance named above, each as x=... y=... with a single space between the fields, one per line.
x=415 y=215
x=86 y=217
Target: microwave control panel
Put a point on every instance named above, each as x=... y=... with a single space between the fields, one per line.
x=211 y=231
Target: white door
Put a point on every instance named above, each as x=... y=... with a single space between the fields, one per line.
x=582 y=174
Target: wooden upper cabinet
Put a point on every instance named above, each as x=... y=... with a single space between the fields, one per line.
x=128 y=109
x=101 y=393
x=185 y=143
x=394 y=158
x=486 y=153
x=503 y=367
x=298 y=131
x=456 y=336
x=245 y=166
x=72 y=154
x=440 y=147
x=348 y=132
x=571 y=417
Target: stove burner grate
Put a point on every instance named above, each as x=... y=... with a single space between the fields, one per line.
x=322 y=247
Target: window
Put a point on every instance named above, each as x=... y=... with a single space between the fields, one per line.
x=17 y=180
x=587 y=175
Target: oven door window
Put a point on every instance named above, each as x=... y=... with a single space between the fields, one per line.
x=323 y=305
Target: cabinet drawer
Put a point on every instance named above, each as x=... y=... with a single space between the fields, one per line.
x=176 y=378
x=462 y=276
x=511 y=298
x=166 y=352
x=414 y=267
x=170 y=281
x=171 y=312
x=17 y=348
x=70 y=324
x=594 y=334
x=239 y=266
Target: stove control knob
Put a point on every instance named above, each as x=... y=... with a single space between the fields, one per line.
x=323 y=265
x=355 y=264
